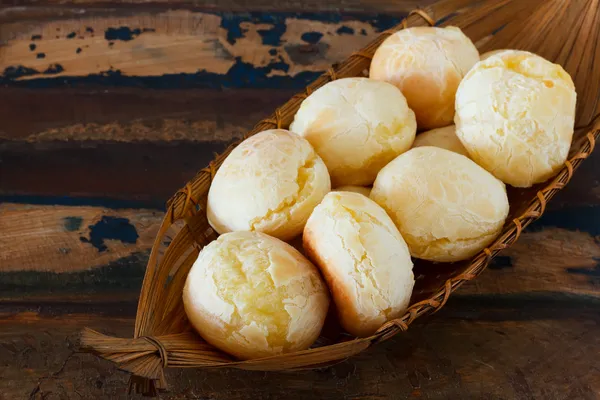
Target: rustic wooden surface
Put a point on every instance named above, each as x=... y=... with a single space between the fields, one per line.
x=106 y=109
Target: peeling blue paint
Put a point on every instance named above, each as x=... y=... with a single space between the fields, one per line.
x=72 y=224
x=311 y=37
x=111 y=228
x=40 y=55
x=240 y=75
x=440 y=21
x=345 y=30
x=78 y=50
x=123 y=274
x=495 y=31
x=54 y=69
x=71 y=35
x=231 y=22
x=122 y=33
x=32 y=46
x=19 y=71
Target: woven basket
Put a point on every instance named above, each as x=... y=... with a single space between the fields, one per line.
x=566 y=32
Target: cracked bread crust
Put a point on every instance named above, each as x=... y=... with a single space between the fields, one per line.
x=515 y=114
x=446 y=207
x=427 y=65
x=252 y=295
x=269 y=183
x=363 y=258
x=357 y=125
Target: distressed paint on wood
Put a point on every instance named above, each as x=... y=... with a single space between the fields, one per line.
x=146 y=174
x=184 y=49
x=66 y=239
x=87 y=250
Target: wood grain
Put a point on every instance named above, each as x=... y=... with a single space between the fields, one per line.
x=494 y=349
x=68 y=239
x=202 y=49
x=62 y=251
x=241 y=5
x=132 y=114
x=110 y=174
x=100 y=126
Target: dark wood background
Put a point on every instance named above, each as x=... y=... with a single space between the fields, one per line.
x=107 y=108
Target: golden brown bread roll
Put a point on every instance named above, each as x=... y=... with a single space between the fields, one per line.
x=446 y=207
x=364 y=260
x=252 y=295
x=426 y=64
x=269 y=183
x=444 y=138
x=356 y=125
x=515 y=113
x=364 y=190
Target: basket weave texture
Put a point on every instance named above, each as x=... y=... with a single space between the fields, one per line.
x=566 y=32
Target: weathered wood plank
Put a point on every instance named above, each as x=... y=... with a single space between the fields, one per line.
x=70 y=239
x=184 y=48
x=148 y=173
x=496 y=350
x=143 y=173
x=239 y=5
x=61 y=252
x=133 y=114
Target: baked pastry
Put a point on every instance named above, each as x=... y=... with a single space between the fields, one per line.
x=357 y=126
x=364 y=190
x=252 y=295
x=446 y=207
x=269 y=183
x=444 y=138
x=515 y=114
x=363 y=258
x=426 y=64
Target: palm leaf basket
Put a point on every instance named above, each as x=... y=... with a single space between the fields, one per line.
x=565 y=32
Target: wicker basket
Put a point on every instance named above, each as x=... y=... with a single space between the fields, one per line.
x=561 y=31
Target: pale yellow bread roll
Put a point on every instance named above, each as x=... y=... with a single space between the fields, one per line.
x=252 y=295
x=444 y=138
x=426 y=64
x=515 y=113
x=364 y=190
x=356 y=125
x=269 y=183
x=446 y=207
x=364 y=259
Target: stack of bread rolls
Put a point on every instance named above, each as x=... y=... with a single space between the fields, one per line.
x=336 y=208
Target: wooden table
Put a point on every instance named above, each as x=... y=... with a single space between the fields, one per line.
x=107 y=109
